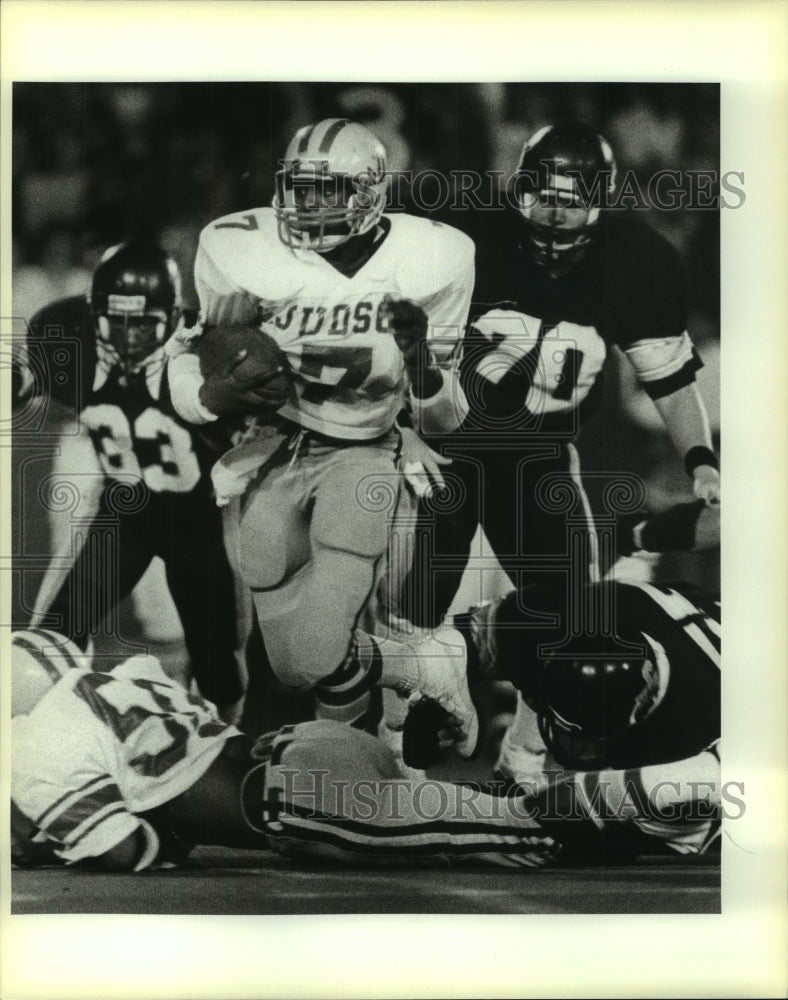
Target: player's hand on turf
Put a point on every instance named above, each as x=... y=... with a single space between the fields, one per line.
x=421 y=465
x=225 y=394
x=706 y=485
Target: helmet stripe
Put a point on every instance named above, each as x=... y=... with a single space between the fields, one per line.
x=331 y=133
x=304 y=140
x=40 y=657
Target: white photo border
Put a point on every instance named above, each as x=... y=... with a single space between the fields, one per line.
x=742 y=952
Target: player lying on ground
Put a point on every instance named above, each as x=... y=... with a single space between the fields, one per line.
x=609 y=711
x=613 y=723
x=125 y=770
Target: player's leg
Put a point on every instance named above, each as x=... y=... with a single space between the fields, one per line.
x=355 y=501
x=318 y=593
x=110 y=557
x=229 y=805
x=203 y=588
x=211 y=811
x=324 y=533
x=332 y=792
x=268 y=534
x=675 y=805
x=442 y=535
x=536 y=514
x=546 y=540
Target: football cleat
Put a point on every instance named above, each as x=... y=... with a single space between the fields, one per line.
x=435 y=666
x=332 y=185
x=135 y=297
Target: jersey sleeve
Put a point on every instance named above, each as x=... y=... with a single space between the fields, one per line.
x=447 y=307
x=60 y=780
x=665 y=364
x=222 y=299
x=652 y=314
x=185 y=381
x=447 y=310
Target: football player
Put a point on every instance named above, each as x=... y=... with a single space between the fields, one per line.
x=564 y=280
x=142 y=471
x=611 y=713
x=126 y=770
x=368 y=311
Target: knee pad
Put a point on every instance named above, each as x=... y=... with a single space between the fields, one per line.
x=272 y=539
x=355 y=506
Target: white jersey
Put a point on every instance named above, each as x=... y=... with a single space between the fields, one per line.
x=101 y=747
x=348 y=372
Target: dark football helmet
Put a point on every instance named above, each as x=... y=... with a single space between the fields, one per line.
x=136 y=302
x=587 y=694
x=566 y=174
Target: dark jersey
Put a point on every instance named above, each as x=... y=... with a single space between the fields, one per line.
x=686 y=624
x=134 y=428
x=536 y=345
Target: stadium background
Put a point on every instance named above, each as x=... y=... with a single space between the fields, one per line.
x=96 y=163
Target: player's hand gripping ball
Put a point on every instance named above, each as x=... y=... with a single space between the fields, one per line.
x=408 y=324
x=244 y=370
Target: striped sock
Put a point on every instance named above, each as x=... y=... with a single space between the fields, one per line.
x=347 y=694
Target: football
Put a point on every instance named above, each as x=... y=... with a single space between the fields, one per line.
x=263 y=368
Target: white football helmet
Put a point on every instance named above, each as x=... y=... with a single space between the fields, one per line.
x=332 y=185
x=39 y=658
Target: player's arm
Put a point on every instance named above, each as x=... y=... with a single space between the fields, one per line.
x=666 y=368
x=27 y=850
x=196 y=399
x=421 y=465
x=116 y=840
x=659 y=348
x=430 y=337
x=684 y=415
x=683 y=527
x=678 y=803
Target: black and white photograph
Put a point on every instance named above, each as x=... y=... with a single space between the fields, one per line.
x=363 y=495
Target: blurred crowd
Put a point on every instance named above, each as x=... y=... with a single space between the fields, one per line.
x=96 y=163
